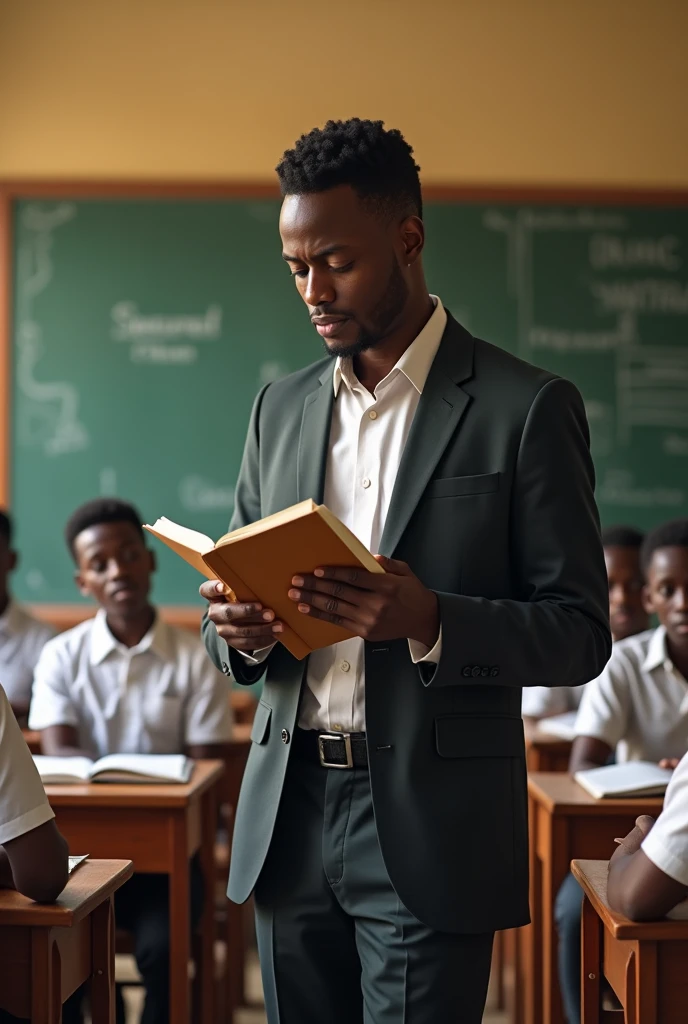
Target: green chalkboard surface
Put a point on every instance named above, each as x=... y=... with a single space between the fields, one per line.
x=143 y=328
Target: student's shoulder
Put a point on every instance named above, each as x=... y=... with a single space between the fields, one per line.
x=630 y=654
x=70 y=642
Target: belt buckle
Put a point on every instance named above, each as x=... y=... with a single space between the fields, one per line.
x=344 y=738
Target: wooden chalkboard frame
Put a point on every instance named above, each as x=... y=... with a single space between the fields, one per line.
x=64 y=616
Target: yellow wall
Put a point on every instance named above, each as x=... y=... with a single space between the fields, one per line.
x=486 y=90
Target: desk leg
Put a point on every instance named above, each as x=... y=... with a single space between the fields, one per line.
x=591 y=964
x=529 y=974
x=641 y=985
x=180 y=928
x=46 y=978
x=103 y=963
x=554 y=871
x=205 y=970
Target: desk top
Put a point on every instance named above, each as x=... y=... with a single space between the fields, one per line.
x=592 y=876
x=560 y=795
x=535 y=737
x=91 y=884
x=114 y=794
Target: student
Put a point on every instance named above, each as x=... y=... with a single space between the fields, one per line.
x=627 y=616
x=21 y=636
x=648 y=873
x=637 y=708
x=125 y=682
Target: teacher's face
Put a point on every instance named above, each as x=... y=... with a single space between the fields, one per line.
x=347 y=261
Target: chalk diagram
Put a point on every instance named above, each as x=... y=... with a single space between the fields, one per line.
x=49 y=412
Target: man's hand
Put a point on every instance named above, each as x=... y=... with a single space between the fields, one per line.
x=371 y=605
x=245 y=626
x=669 y=762
x=631 y=843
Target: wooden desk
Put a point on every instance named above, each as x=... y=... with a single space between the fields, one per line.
x=645 y=963
x=565 y=823
x=545 y=753
x=47 y=951
x=159 y=828
x=33 y=740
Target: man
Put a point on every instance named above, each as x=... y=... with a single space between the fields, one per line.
x=21 y=636
x=627 y=616
x=382 y=819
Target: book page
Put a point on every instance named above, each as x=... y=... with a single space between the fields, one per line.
x=287 y=515
x=77 y=768
x=350 y=539
x=181 y=535
x=165 y=767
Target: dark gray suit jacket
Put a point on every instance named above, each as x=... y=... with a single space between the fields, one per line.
x=493 y=509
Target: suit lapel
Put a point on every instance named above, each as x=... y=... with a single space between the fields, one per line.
x=439 y=412
x=314 y=440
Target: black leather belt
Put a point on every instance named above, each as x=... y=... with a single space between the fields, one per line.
x=332 y=749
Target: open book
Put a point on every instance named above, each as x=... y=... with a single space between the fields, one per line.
x=147 y=768
x=257 y=562
x=632 y=778
x=563 y=726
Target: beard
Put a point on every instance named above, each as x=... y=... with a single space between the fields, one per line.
x=383 y=318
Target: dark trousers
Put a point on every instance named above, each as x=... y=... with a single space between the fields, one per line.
x=568 y=911
x=142 y=908
x=337 y=945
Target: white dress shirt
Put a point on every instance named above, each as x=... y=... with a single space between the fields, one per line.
x=542 y=701
x=639 y=705
x=154 y=698
x=23 y=803
x=22 y=639
x=367 y=439
x=667 y=842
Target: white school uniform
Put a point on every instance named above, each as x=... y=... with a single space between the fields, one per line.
x=542 y=701
x=639 y=705
x=667 y=843
x=23 y=803
x=154 y=698
x=22 y=639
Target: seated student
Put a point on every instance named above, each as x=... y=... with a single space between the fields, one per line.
x=627 y=616
x=648 y=873
x=125 y=682
x=638 y=707
x=21 y=636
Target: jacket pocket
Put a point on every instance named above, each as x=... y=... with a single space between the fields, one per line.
x=467 y=736
x=261 y=723
x=455 y=486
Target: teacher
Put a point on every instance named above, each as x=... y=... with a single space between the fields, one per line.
x=382 y=823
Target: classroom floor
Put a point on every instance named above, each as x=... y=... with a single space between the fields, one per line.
x=254 y=1013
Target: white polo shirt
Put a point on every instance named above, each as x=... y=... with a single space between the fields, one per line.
x=155 y=698
x=667 y=843
x=639 y=705
x=539 y=701
x=22 y=639
x=23 y=803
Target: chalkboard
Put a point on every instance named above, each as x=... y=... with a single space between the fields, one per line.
x=143 y=328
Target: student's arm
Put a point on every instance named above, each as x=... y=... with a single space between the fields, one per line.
x=604 y=714
x=636 y=887
x=588 y=752
x=21 y=710
x=36 y=864
x=208 y=718
x=62 y=741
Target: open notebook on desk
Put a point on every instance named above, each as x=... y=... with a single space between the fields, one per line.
x=631 y=778
x=123 y=768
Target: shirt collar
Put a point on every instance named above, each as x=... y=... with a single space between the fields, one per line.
x=657 y=654
x=103 y=643
x=415 y=362
x=10 y=619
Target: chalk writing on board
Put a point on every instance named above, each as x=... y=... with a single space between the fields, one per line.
x=153 y=336
x=198 y=494
x=561 y=339
x=49 y=415
x=611 y=251
x=649 y=295
x=618 y=487
x=652 y=388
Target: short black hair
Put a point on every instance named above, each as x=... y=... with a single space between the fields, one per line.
x=6 y=527
x=622 y=537
x=98 y=511
x=673 y=534
x=378 y=164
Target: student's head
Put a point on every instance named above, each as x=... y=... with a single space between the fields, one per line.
x=665 y=563
x=113 y=564
x=8 y=556
x=351 y=230
x=627 y=614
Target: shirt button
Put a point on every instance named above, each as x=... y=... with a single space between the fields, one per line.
x=285 y=736
x=372 y=414
x=345 y=666
x=365 y=482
